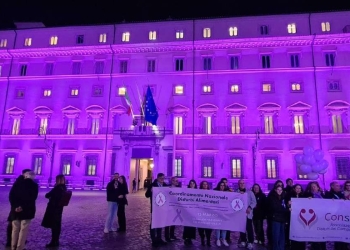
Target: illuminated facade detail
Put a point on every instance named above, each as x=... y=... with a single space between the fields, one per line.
x=218 y=85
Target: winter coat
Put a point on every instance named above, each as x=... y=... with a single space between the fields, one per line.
x=259 y=212
x=112 y=192
x=278 y=208
x=122 y=190
x=53 y=213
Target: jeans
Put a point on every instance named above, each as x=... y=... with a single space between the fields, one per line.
x=259 y=230
x=169 y=232
x=19 y=234
x=249 y=232
x=220 y=234
x=111 y=215
x=278 y=235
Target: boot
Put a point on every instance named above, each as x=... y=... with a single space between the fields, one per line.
x=52 y=244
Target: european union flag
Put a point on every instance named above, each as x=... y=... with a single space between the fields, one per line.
x=151 y=113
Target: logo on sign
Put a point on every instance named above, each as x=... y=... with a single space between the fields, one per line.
x=237 y=204
x=160 y=199
x=307 y=217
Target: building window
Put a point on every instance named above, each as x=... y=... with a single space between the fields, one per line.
x=342 y=165
x=80 y=39
x=91 y=165
x=271 y=167
x=235 y=88
x=97 y=91
x=53 y=40
x=74 y=91
x=95 y=126
x=48 y=69
x=268 y=124
x=103 y=38
x=330 y=59
x=207 y=89
x=292 y=28
x=337 y=123
x=152 y=35
x=234 y=62
x=298 y=124
x=178 y=166
x=121 y=91
x=9 y=164
x=179 y=34
x=70 y=126
x=37 y=164
x=264 y=30
x=20 y=93
x=333 y=86
x=326 y=27
x=76 y=68
x=178 y=120
x=47 y=92
x=99 y=67
x=179 y=64
x=16 y=126
x=0 y=70
x=296 y=87
x=233 y=31
x=23 y=70
x=126 y=37
x=123 y=66
x=265 y=62
x=207 y=125
x=43 y=125
x=66 y=164
x=236 y=166
x=28 y=42
x=3 y=43
x=178 y=90
x=206 y=63
x=294 y=61
x=207 y=163
x=206 y=32
x=235 y=124
x=267 y=87
x=151 y=65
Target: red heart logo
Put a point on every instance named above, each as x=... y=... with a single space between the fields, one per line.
x=305 y=218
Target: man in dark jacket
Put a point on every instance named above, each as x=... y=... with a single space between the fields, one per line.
x=9 y=225
x=112 y=199
x=156 y=233
x=22 y=198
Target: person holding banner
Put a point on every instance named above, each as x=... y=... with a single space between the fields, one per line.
x=249 y=225
x=156 y=233
x=189 y=233
x=169 y=232
x=205 y=232
x=221 y=234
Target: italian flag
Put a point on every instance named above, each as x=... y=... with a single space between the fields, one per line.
x=127 y=99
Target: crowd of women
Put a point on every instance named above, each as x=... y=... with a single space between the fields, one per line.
x=273 y=207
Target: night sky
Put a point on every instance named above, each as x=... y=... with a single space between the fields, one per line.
x=77 y=12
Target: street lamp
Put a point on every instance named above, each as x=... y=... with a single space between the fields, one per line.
x=255 y=153
x=50 y=150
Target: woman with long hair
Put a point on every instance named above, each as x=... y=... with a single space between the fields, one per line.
x=221 y=234
x=189 y=233
x=122 y=201
x=259 y=214
x=53 y=214
x=205 y=232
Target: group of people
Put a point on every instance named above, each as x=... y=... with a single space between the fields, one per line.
x=22 y=197
x=275 y=208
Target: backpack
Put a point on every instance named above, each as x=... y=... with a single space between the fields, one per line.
x=66 y=196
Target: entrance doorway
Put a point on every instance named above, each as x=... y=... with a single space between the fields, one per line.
x=142 y=171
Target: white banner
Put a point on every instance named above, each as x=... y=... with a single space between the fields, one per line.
x=199 y=208
x=319 y=220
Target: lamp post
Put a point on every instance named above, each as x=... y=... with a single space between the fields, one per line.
x=50 y=151
x=255 y=153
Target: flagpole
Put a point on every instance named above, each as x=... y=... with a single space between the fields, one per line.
x=140 y=99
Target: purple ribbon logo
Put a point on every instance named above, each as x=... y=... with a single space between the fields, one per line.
x=237 y=204
x=178 y=215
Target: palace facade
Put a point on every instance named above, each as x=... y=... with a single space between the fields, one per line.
x=237 y=98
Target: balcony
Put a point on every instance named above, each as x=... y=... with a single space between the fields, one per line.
x=143 y=132
x=58 y=131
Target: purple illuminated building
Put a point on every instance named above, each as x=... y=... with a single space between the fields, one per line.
x=237 y=98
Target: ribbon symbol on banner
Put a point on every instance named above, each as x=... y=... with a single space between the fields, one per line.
x=237 y=205
x=160 y=200
x=178 y=215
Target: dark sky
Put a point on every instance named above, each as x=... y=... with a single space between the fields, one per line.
x=77 y=12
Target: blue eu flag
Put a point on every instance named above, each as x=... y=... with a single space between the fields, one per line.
x=151 y=113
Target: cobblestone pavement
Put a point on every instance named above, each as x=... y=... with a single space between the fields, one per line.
x=83 y=222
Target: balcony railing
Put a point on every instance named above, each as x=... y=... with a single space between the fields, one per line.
x=59 y=131
x=143 y=131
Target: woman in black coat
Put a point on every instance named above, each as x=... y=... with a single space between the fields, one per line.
x=53 y=214
x=259 y=214
x=189 y=233
x=122 y=201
